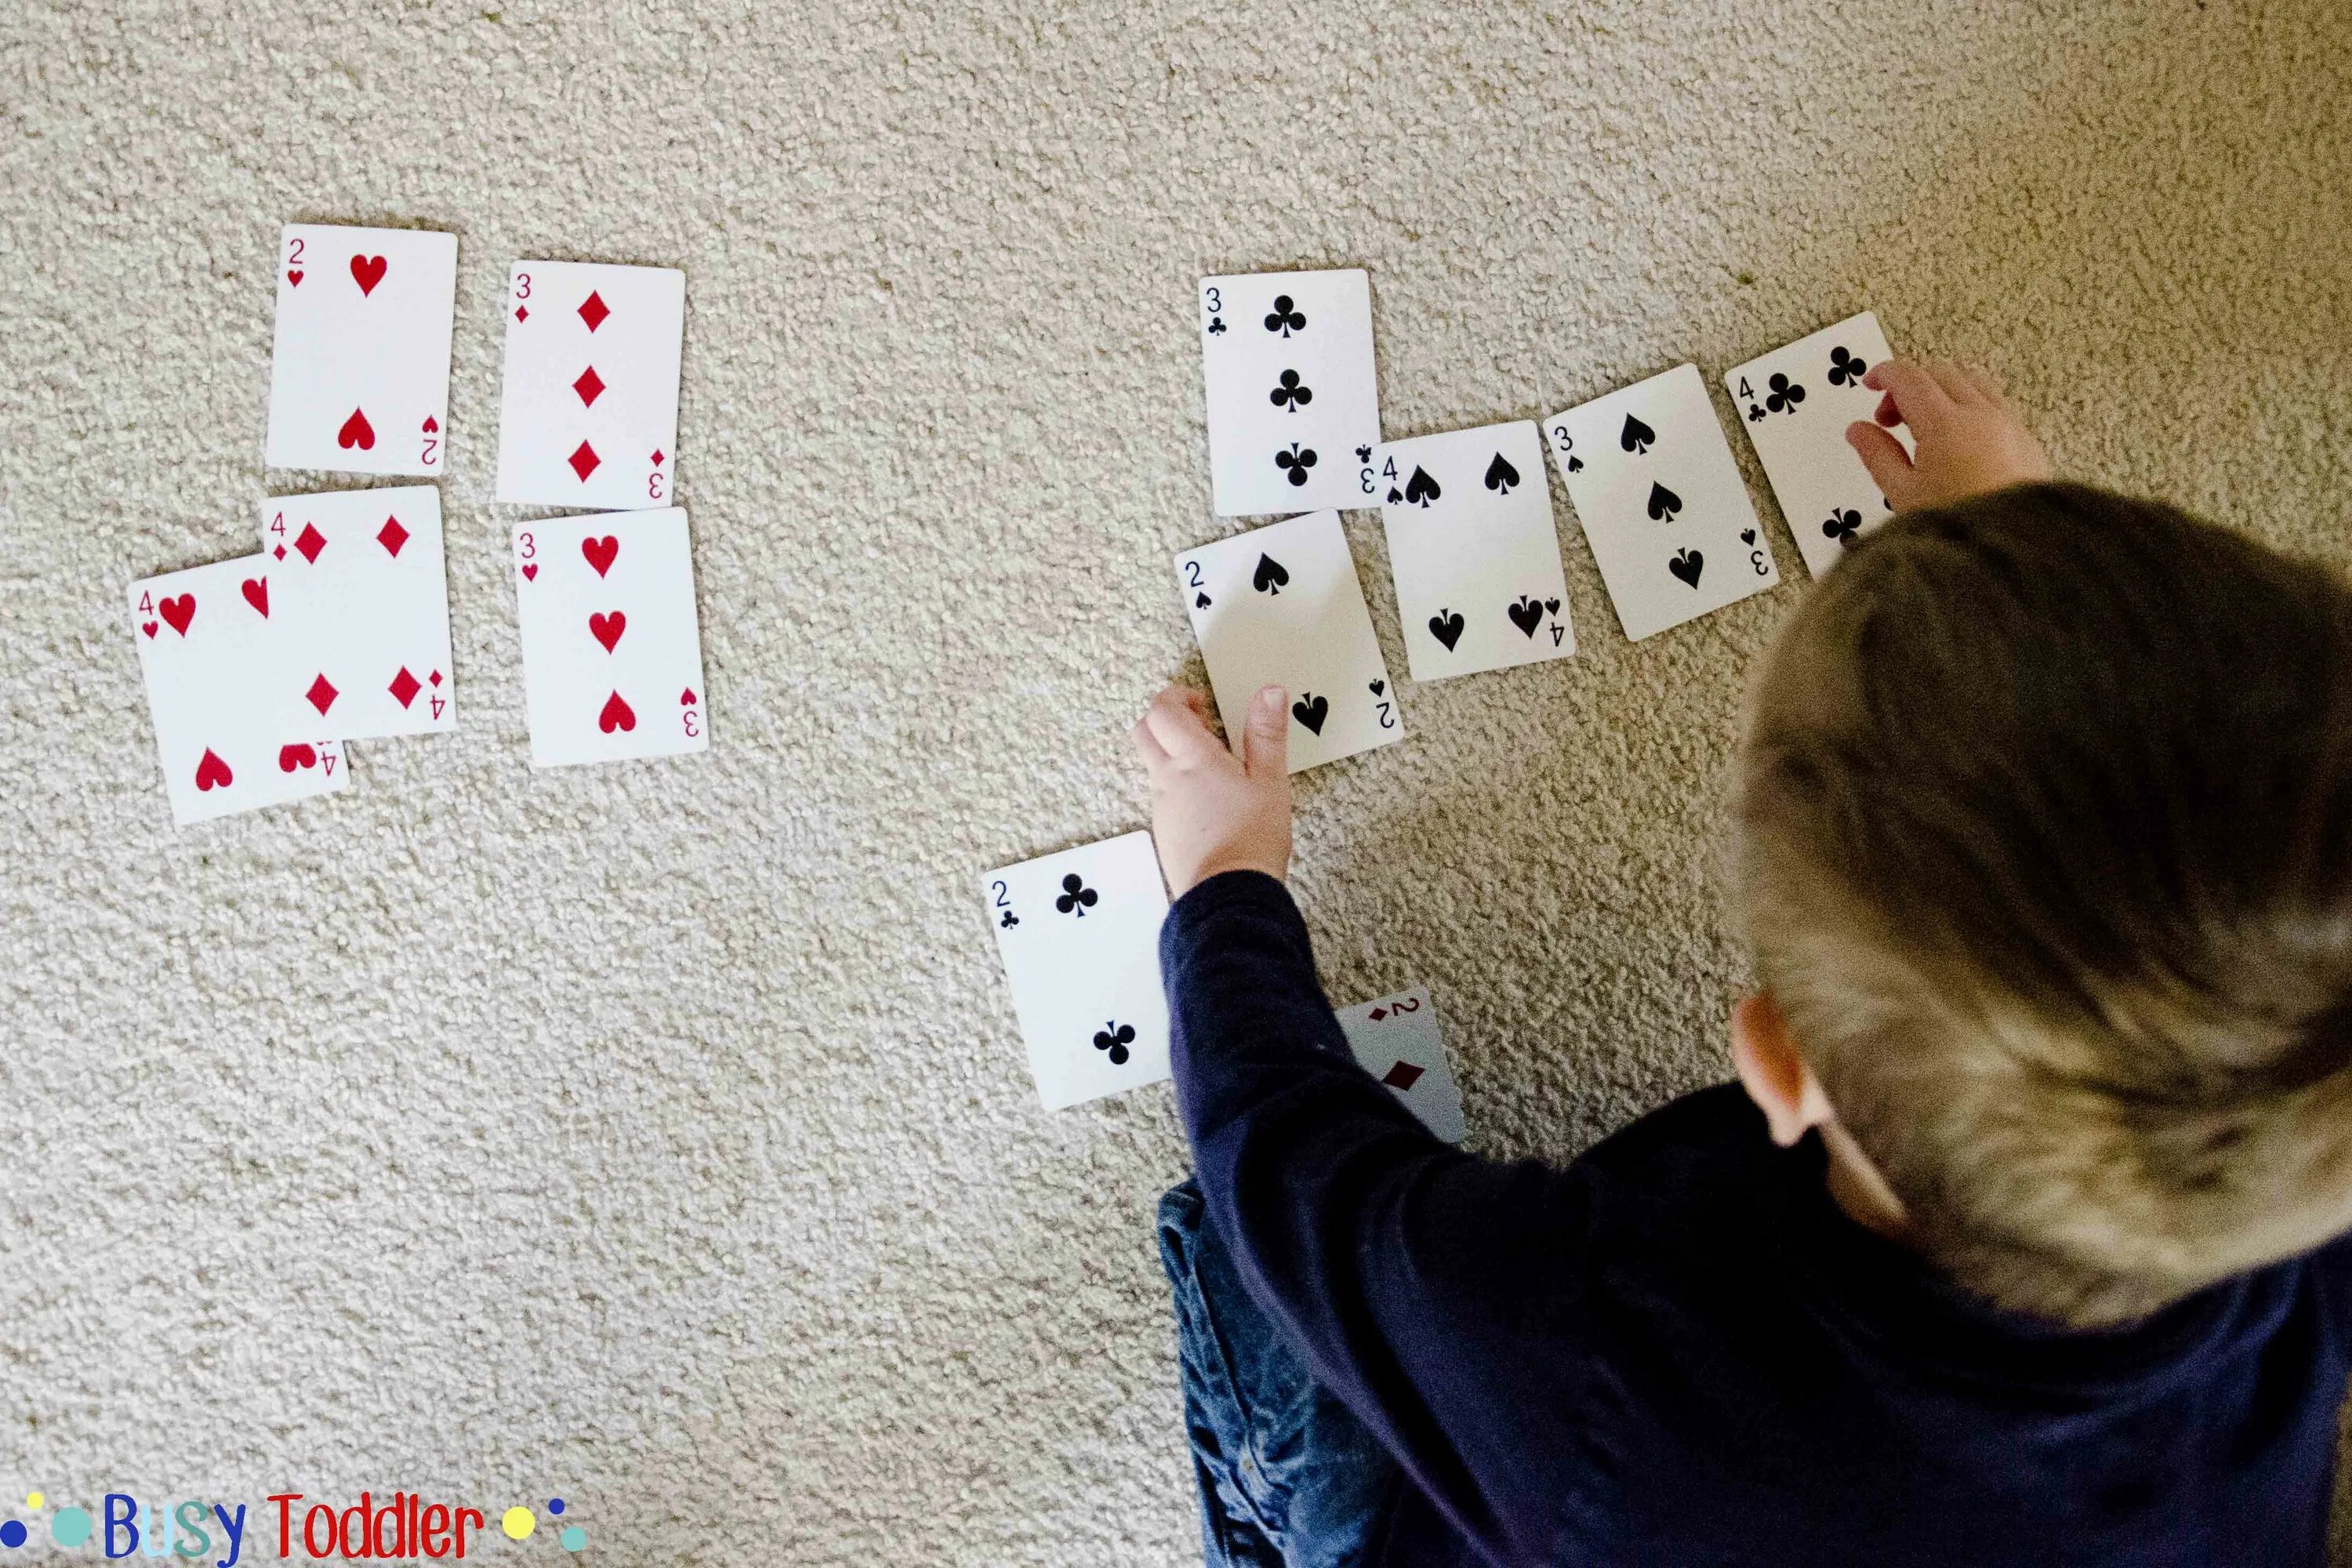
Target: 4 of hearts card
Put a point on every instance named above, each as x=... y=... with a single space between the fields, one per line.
x=1395 y=1039
x=359 y=373
x=611 y=652
x=1292 y=398
x=1796 y=402
x=588 y=407
x=363 y=606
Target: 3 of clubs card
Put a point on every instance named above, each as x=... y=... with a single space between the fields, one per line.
x=1079 y=934
x=612 y=653
x=1293 y=398
x=359 y=374
x=1282 y=605
x=588 y=410
x=362 y=605
x=1660 y=502
x=1796 y=402
x=1471 y=541
x=1394 y=1038
x=208 y=649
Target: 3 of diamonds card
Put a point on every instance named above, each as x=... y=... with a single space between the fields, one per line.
x=588 y=410
x=1660 y=502
x=362 y=605
x=1292 y=397
x=1395 y=1039
x=1079 y=934
x=612 y=653
x=1796 y=402
x=1282 y=606
x=359 y=374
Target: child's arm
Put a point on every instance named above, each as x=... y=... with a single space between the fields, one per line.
x=1971 y=439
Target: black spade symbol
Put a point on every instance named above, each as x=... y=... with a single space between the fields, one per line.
x=1636 y=437
x=1446 y=628
x=1527 y=614
x=1664 y=503
x=1270 y=576
x=1379 y=687
x=1576 y=465
x=1501 y=476
x=1311 y=714
x=1746 y=536
x=1686 y=565
x=1553 y=605
x=1396 y=496
x=1421 y=489
x=1201 y=601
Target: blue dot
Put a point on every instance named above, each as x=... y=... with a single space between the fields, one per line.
x=555 y=1505
x=574 y=1538
x=12 y=1533
x=69 y=1526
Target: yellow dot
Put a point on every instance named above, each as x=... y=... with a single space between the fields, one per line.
x=34 y=1499
x=519 y=1522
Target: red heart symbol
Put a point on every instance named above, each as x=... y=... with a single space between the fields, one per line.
x=608 y=629
x=256 y=593
x=531 y=572
x=367 y=271
x=147 y=627
x=356 y=432
x=300 y=755
x=430 y=424
x=686 y=698
x=212 y=773
x=600 y=552
x=177 y=612
x=295 y=279
x=616 y=715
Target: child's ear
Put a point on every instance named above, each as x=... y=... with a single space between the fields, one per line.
x=1774 y=1072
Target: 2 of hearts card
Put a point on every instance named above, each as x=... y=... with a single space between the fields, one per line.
x=1660 y=502
x=1079 y=935
x=1282 y=606
x=611 y=652
x=359 y=373
x=1797 y=403
x=361 y=609
x=1292 y=398
x=1471 y=542
x=588 y=408
x=1395 y=1039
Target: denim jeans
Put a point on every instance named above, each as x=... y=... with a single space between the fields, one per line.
x=1288 y=1476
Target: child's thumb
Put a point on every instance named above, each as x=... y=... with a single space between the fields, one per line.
x=1266 y=749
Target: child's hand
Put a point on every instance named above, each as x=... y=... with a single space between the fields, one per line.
x=1212 y=810
x=1971 y=439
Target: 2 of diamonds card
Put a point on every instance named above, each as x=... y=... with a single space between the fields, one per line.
x=359 y=374
x=612 y=653
x=208 y=651
x=1796 y=402
x=1292 y=398
x=588 y=409
x=1079 y=934
x=1395 y=1039
x=1282 y=606
x=1471 y=541
x=1660 y=502
x=362 y=605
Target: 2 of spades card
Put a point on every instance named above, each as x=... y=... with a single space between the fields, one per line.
x=1796 y=402
x=1293 y=398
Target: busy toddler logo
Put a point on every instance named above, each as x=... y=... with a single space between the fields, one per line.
x=406 y=1527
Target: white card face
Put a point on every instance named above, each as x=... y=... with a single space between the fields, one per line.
x=1079 y=934
x=1282 y=605
x=1478 y=579
x=358 y=376
x=361 y=604
x=208 y=649
x=1395 y=1039
x=612 y=653
x=588 y=412
x=1292 y=397
x=1796 y=402
x=1660 y=502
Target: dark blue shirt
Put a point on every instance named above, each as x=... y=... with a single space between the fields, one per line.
x=1678 y=1351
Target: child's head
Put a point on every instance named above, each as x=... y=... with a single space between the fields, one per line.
x=2046 y=854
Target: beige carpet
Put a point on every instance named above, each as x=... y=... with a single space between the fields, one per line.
x=657 y=1135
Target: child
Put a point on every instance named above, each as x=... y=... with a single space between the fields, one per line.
x=2012 y=1243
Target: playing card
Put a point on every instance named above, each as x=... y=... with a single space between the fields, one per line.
x=206 y=647
x=1660 y=502
x=588 y=412
x=1395 y=1039
x=1079 y=934
x=611 y=656
x=1281 y=605
x=1468 y=517
x=1293 y=400
x=1796 y=402
x=361 y=607
x=358 y=375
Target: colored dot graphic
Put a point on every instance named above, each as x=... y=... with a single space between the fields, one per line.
x=519 y=1522
x=574 y=1538
x=69 y=1526
x=555 y=1505
x=12 y=1533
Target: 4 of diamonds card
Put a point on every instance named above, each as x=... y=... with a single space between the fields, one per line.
x=363 y=606
x=359 y=374
x=588 y=408
x=1796 y=402
x=1292 y=398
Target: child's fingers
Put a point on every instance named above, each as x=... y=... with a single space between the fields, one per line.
x=1919 y=399
x=1148 y=747
x=1179 y=728
x=1953 y=377
x=1266 y=746
x=1884 y=456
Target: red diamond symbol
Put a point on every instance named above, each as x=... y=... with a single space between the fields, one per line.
x=434 y=678
x=1377 y=1013
x=583 y=461
x=322 y=695
x=589 y=386
x=657 y=457
x=392 y=536
x=522 y=312
x=279 y=553
x=1402 y=1076
x=310 y=543
x=404 y=687
x=593 y=311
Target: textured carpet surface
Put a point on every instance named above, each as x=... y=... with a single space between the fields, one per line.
x=658 y=1135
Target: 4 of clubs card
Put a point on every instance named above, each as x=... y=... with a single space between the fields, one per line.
x=588 y=409
x=1395 y=1039
x=364 y=606
x=1293 y=399
x=1282 y=605
x=1796 y=402
x=359 y=373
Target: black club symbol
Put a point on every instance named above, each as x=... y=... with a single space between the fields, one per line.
x=1216 y=326
x=1290 y=394
x=1115 y=1037
x=1010 y=920
x=1755 y=412
x=1785 y=395
x=1283 y=319
x=1842 y=525
x=1296 y=462
x=1076 y=897
x=1844 y=369
x=1363 y=454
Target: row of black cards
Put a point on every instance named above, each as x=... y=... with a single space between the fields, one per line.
x=260 y=668
x=1294 y=427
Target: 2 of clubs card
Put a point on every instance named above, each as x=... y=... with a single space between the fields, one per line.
x=1292 y=398
x=1282 y=606
x=1796 y=402
x=359 y=371
x=588 y=408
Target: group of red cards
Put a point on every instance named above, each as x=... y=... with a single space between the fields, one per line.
x=260 y=669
